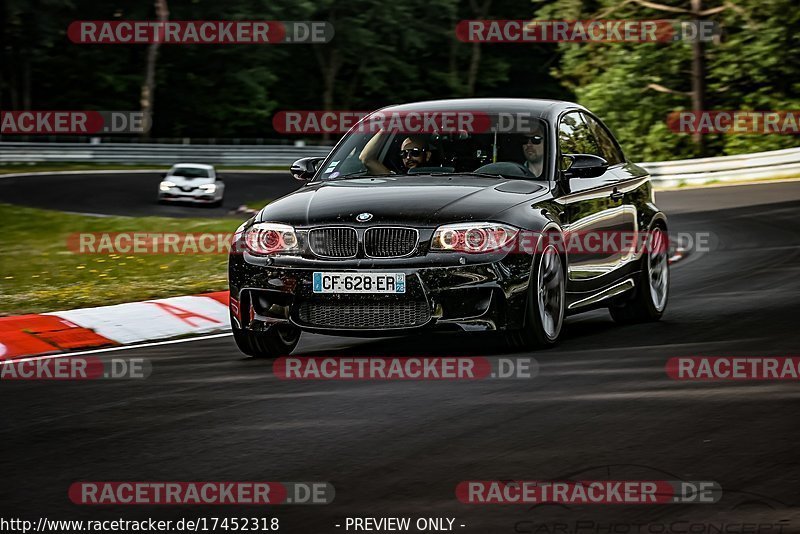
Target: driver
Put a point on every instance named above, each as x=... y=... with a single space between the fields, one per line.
x=533 y=150
x=415 y=152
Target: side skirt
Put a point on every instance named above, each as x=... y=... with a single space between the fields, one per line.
x=582 y=302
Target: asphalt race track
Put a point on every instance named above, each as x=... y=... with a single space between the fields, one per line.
x=602 y=407
x=135 y=193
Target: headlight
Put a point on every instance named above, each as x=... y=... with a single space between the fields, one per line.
x=208 y=188
x=270 y=238
x=166 y=186
x=473 y=237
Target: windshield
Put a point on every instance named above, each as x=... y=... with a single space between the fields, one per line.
x=519 y=154
x=189 y=172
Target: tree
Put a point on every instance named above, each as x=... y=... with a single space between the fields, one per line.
x=634 y=86
x=149 y=84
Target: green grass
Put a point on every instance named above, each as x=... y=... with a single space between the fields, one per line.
x=9 y=168
x=39 y=273
x=258 y=204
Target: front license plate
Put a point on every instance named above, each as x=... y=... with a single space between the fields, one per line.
x=359 y=282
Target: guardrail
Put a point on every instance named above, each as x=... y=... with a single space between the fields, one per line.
x=122 y=153
x=775 y=164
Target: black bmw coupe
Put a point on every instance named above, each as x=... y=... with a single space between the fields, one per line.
x=474 y=214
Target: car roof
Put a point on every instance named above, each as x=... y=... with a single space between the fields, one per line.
x=541 y=108
x=193 y=165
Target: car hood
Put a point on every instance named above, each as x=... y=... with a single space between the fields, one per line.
x=183 y=181
x=416 y=200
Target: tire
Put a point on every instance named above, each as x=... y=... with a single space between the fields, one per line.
x=280 y=340
x=546 y=303
x=652 y=287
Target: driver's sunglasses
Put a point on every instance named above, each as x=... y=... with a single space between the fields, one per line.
x=411 y=153
x=532 y=139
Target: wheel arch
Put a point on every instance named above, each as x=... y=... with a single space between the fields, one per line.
x=660 y=220
x=549 y=227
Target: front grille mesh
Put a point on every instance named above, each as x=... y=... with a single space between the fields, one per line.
x=333 y=242
x=389 y=242
x=364 y=314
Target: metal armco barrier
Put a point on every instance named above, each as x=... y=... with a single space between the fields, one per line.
x=775 y=164
x=125 y=153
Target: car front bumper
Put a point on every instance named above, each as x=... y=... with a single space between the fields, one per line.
x=449 y=293
x=180 y=196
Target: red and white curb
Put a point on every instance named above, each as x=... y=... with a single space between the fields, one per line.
x=105 y=326
x=126 y=324
x=677 y=250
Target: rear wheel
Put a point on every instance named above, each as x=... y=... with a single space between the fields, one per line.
x=280 y=340
x=544 y=314
x=652 y=289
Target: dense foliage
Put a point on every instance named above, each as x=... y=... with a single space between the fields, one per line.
x=391 y=52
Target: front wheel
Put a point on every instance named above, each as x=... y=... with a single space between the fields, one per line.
x=652 y=289
x=280 y=340
x=544 y=314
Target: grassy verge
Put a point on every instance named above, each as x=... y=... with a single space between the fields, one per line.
x=55 y=167
x=258 y=204
x=39 y=273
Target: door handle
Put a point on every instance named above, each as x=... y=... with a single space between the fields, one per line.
x=617 y=195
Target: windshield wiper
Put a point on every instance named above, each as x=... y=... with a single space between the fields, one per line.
x=357 y=175
x=484 y=175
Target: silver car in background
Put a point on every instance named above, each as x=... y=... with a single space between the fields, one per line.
x=193 y=183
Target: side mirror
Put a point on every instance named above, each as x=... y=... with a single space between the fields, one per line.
x=582 y=166
x=304 y=169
